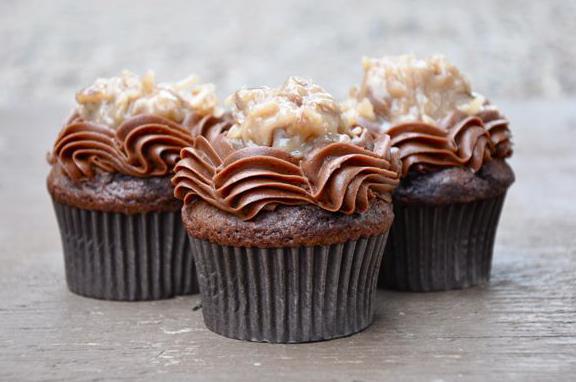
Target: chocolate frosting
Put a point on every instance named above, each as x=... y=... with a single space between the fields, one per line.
x=142 y=146
x=500 y=135
x=459 y=140
x=335 y=176
x=210 y=126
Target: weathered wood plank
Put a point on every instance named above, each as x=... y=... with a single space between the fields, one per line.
x=522 y=326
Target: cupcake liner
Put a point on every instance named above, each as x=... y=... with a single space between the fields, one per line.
x=288 y=295
x=113 y=256
x=436 y=248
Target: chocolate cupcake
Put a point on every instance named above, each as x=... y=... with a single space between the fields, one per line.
x=110 y=183
x=453 y=144
x=288 y=213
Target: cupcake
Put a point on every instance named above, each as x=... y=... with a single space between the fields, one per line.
x=112 y=163
x=453 y=144
x=288 y=213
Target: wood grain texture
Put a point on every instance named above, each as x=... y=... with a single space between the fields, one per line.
x=520 y=327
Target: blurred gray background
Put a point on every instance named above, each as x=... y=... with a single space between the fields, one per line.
x=510 y=49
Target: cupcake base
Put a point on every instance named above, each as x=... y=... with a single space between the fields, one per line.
x=114 y=256
x=437 y=248
x=288 y=295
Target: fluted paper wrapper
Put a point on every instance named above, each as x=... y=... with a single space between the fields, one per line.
x=113 y=256
x=437 y=248
x=288 y=295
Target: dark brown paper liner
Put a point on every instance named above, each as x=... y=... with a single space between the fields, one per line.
x=113 y=256
x=287 y=295
x=436 y=248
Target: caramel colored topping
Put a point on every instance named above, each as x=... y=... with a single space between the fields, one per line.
x=404 y=89
x=354 y=111
x=290 y=118
x=117 y=99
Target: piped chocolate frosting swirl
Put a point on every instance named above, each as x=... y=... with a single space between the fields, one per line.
x=210 y=126
x=499 y=131
x=335 y=176
x=458 y=140
x=143 y=146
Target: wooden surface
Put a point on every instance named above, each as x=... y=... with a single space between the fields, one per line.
x=522 y=326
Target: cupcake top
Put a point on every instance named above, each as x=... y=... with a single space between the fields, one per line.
x=287 y=146
x=430 y=112
x=111 y=101
x=292 y=117
x=133 y=126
